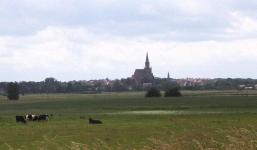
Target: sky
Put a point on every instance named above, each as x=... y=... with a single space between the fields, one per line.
x=85 y=39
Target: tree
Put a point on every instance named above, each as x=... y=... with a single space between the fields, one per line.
x=153 y=92
x=172 y=92
x=13 y=91
x=50 y=85
x=118 y=86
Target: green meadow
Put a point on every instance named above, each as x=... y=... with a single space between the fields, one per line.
x=198 y=120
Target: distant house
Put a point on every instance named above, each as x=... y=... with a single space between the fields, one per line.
x=249 y=88
x=143 y=76
x=242 y=86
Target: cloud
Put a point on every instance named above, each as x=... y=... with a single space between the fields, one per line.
x=180 y=20
x=76 y=53
x=80 y=39
x=243 y=24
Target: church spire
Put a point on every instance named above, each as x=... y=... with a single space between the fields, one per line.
x=147 y=63
x=147 y=59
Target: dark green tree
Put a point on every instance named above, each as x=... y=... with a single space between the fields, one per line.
x=118 y=86
x=153 y=92
x=50 y=85
x=13 y=91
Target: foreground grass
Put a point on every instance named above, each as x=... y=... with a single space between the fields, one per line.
x=204 y=121
x=134 y=132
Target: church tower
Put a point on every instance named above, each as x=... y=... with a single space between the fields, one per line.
x=142 y=76
x=147 y=63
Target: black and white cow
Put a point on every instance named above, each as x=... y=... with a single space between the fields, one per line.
x=92 y=121
x=28 y=117
x=44 y=117
x=31 y=117
x=21 y=119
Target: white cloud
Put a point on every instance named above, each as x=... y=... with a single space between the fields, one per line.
x=68 y=53
x=190 y=19
x=193 y=7
x=243 y=23
x=80 y=39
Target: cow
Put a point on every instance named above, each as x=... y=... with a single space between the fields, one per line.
x=30 y=117
x=44 y=117
x=92 y=121
x=20 y=119
x=35 y=117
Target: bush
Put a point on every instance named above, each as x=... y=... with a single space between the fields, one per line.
x=172 y=92
x=153 y=92
x=13 y=91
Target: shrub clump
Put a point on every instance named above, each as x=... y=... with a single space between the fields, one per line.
x=172 y=92
x=153 y=92
x=13 y=91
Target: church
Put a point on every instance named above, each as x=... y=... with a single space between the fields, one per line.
x=144 y=76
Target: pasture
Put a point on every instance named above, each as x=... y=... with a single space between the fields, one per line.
x=198 y=120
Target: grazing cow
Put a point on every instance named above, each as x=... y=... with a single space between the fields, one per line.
x=28 y=117
x=43 y=117
x=20 y=119
x=31 y=117
x=92 y=121
x=35 y=117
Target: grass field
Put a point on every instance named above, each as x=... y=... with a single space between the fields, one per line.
x=198 y=120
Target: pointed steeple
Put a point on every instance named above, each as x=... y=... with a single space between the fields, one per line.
x=147 y=63
x=168 y=77
x=147 y=59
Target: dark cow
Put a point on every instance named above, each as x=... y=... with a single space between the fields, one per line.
x=20 y=119
x=43 y=117
x=35 y=118
x=92 y=121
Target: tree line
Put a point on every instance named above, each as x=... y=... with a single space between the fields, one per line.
x=52 y=85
